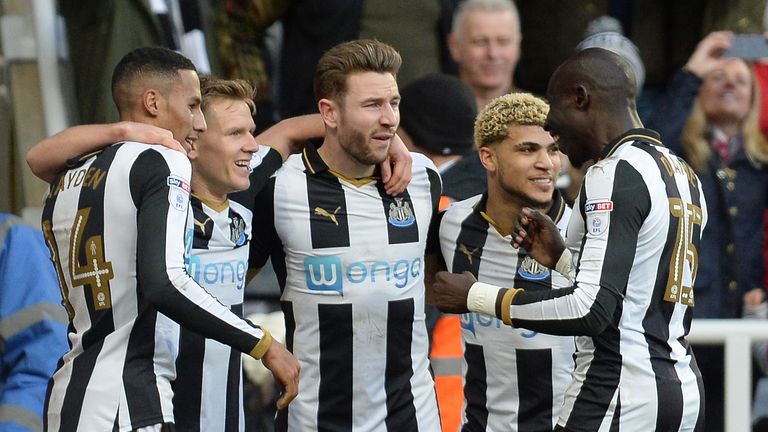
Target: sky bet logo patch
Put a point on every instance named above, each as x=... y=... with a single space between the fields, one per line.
x=178 y=193
x=598 y=216
x=598 y=206
x=179 y=183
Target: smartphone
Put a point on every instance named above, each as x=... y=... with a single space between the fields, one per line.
x=748 y=46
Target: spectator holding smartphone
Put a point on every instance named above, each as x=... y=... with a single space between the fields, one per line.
x=709 y=116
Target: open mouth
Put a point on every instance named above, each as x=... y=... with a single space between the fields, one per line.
x=244 y=164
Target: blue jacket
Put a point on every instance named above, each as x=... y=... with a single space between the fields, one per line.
x=731 y=253
x=32 y=325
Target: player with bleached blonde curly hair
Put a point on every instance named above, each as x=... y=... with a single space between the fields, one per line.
x=521 y=374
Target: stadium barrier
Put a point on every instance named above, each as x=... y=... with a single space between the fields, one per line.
x=736 y=335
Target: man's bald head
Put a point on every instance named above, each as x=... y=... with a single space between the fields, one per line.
x=605 y=76
x=144 y=68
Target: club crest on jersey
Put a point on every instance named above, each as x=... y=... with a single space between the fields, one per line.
x=598 y=216
x=178 y=193
x=400 y=213
x=532 y=270
x=237 y=230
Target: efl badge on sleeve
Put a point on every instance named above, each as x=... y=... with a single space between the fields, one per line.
x=598 y=216
x=178 y=193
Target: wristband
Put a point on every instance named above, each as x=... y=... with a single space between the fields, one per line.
x=564 y=265
x=482 y=298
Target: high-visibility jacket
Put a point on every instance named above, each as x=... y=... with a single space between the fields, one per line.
x=446 y=357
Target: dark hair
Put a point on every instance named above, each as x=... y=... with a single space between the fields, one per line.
x=237 y=89
x=148 y=62
x=364 y=55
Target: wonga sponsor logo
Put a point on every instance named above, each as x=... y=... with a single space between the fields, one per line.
x=326 y=273
x=472 y=320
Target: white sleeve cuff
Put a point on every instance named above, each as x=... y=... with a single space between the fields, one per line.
x=564 y=265
x=482 y=298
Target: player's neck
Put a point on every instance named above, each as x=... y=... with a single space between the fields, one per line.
x=504 y=208
x=209 y=197
x=341 y=162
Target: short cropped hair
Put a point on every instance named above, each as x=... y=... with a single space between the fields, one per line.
x=495 y=6
x=520 y=109
x=364 y=55
x=148 y=62
x=237 y=90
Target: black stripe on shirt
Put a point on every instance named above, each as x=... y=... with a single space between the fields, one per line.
x=187 y=397
x=400 y=215
x=281 y=419
x=328 y=222
x=82 y=368
x=534 y=383
x=470 y=243
x=401 y=411
x=334 y=410
x=631 y=206
x=102 y=323
x=659 y=314
x=435 y=188
x=234 y=373
x=475 y=389
x=265 y=243
x=203 y=224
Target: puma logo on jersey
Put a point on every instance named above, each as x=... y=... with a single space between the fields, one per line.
x=202 y=224
x=332 y=216
x=469 y=253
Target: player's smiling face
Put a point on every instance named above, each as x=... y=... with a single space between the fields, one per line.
x=221 y=157
x=183 y=116
x=369 y=116
x=524 y=165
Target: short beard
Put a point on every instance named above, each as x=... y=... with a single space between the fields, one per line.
x=355 y=145
x=525 y=200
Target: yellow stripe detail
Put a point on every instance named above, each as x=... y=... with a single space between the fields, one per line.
x=632 y=138
x=494 y=224
x=306 y=159
x=217 y=207
x=353 y=181
x=261 y=348
x=506 y=304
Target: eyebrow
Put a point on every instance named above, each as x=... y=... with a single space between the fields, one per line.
x=534 y=144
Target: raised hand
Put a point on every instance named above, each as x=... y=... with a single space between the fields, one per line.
x=707 y=55
x=396 y=170
x=539 y=236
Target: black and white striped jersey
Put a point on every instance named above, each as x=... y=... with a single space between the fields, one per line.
x=514 y=379
x=350 y=260
x=208 y=391
x=636 y=230
x=115 y=226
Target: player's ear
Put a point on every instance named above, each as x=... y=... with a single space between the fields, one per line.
x=488 y=158
x=329 y=111
x=582 y=98
x=152 y=102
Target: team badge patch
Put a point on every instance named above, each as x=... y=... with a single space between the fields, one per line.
x=237 y=230
x=598 y=216
x=532 y=270
x=400 y=213
x=178 y=193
